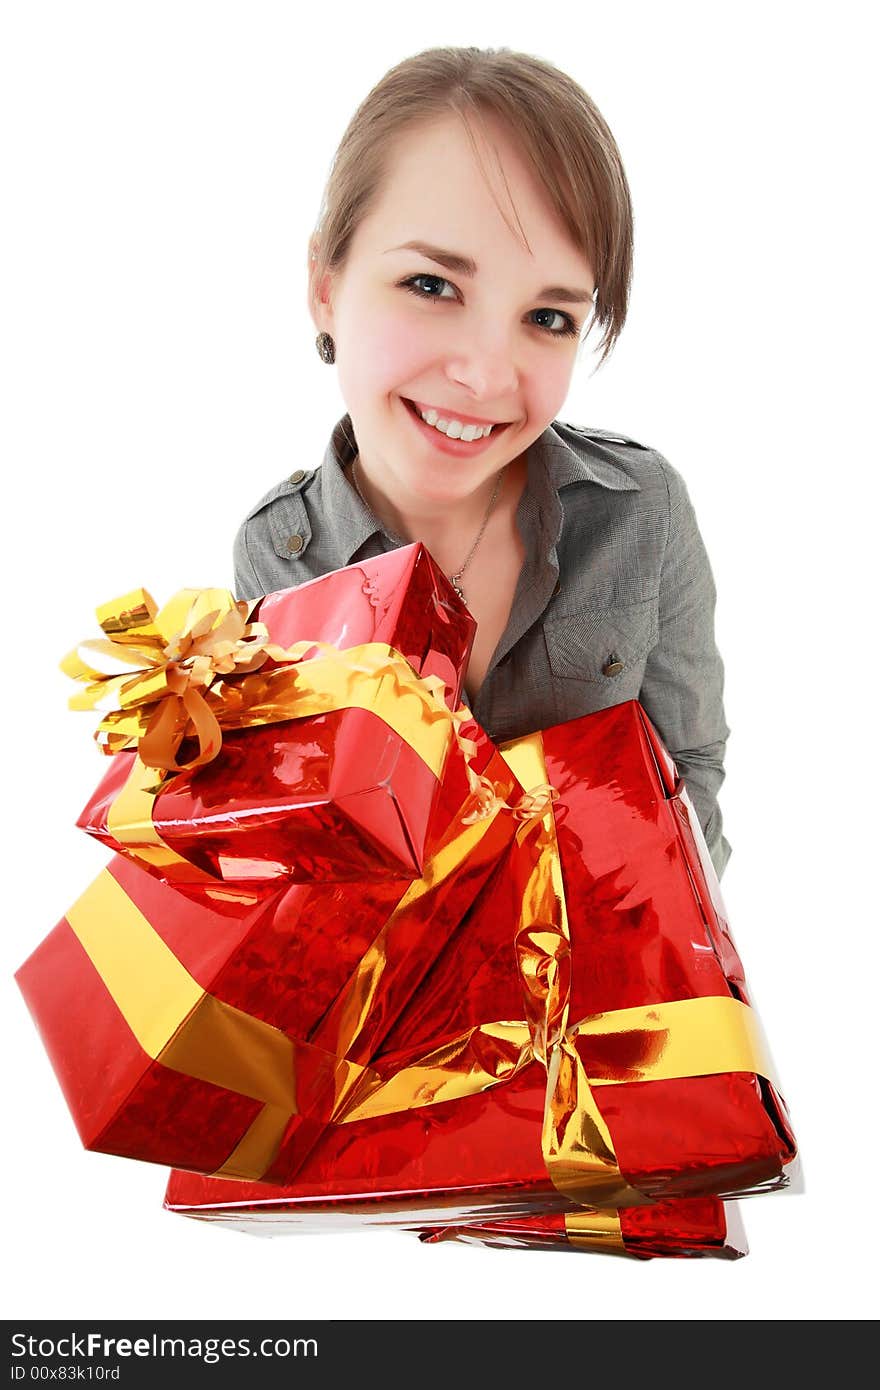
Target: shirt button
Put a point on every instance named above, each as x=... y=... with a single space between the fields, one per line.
x=612 y=666
x=297 y=477
x=295 y=544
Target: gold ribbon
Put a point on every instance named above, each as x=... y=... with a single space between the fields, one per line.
x=576 y=1142
x=595 y=1230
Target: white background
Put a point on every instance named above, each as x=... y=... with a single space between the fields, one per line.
x=162 y=167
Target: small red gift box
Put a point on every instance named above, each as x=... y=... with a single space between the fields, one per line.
x=325 y=772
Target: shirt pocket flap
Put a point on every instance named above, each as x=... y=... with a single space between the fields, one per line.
x=596 y=644
x=289 y=526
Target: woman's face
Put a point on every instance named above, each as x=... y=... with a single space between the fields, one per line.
x=497 y=344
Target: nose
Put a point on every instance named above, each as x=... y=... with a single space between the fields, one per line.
x=486 y=369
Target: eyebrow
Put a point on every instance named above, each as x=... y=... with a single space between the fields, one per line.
x=465 y=265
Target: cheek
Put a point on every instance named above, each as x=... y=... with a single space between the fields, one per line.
x=552 y=384
x=390 y=348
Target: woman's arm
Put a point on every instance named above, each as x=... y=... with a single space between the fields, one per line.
x=247 y=584
x=682 y=690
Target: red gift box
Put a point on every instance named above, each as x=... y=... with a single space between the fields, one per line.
x=661 y=1027
x=586 y=1034
x=319 y=778
x=221 y=1033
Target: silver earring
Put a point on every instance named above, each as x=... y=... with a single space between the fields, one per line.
x=326 y=348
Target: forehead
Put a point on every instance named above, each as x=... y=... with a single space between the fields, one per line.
x=437 y=188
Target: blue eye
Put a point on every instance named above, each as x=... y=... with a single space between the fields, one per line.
x=569 y=328
x=411 y=284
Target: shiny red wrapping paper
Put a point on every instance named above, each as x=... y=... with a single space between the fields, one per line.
x=647 y=926
x=689 y=1228
x=332 y=796
x=219 y=1034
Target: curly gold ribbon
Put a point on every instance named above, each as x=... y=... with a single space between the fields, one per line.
x=151 y=669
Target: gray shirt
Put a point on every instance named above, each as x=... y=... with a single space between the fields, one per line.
x=615 y=600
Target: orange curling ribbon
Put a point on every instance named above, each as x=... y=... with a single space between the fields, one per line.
x=531 y=807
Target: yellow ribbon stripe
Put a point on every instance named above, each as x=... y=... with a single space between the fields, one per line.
x=179 y=1024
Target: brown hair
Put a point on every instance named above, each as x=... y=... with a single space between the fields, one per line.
x=560 y=130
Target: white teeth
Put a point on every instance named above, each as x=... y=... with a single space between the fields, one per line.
x=454 y=429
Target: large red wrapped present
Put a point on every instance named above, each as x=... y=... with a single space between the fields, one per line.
x=662 y=1079
x=688 y=1228
x=220 y=1032
x=329 y=698
x=585 y=1035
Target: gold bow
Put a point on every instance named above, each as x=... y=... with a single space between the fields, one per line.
x=169 y=660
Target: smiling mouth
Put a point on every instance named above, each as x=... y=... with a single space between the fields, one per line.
x=495 y=427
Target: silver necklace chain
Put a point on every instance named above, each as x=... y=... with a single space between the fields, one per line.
x=456 y=577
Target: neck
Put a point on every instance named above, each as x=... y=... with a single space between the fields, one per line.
x=449 y=531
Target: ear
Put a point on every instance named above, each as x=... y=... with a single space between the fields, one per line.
x=319 y=293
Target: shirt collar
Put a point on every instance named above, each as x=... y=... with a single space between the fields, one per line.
x=574 y=456
x=339 y=498
x=561 y=454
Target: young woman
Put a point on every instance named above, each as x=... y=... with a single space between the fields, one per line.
x=476 y=225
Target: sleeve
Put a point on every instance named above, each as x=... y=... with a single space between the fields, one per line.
x=247 y=584
x=683 y=686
